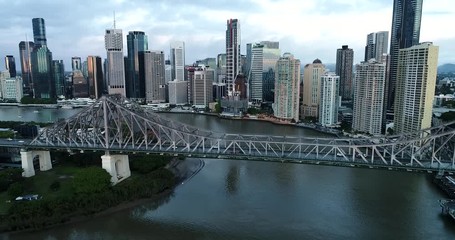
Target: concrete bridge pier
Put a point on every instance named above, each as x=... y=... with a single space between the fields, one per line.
x=27 y=161
x=117 y=166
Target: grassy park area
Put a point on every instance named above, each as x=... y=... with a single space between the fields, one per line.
x=77 y=186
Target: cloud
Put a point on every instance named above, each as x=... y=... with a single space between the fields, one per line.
x=309 y=29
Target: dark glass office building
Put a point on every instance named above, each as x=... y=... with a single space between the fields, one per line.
x=25 y=49
x=406 y=21
x=39 y=31
x=10 y=65
x=58 y=72
x=43 y=84
x=136 y=42
x=95 y=77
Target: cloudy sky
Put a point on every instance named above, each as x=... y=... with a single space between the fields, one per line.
x=309 y=29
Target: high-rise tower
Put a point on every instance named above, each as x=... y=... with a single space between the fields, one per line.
x=178 y=60
x=39 y=31
x=377 y=45
x=58 y=73
x=328 y=109
x=10 y=64
x=43 y=83
x=287 y=88
x=344 y=64
x=406 y=21
x=232 y=52
x=264 y=56
x=76 y=63
x=115 y=70
x=95 y=77
x=312 y=88
x=416 y=81
x=369 y=96
x=136 y=42
x=152 y=69
x=25 y=49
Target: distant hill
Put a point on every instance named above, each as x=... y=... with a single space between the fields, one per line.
x=446 y=68
x=330 y=66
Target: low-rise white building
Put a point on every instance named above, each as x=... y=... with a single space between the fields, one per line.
x=11 y=88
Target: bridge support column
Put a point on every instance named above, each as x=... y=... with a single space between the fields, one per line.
x=117 y=166
x=27 y=162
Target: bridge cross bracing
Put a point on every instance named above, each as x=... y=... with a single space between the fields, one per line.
x=114 y=124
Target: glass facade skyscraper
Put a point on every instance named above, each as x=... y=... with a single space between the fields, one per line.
x=136 y=42
x=76 y=63
x=43 y=84
x=377 y=45
x=95 y=77
x=407 y=15
x=25 y=49
x=262 y=70
x=58 y=72
x=178 y=60
x=39 y=31
x=10 y=64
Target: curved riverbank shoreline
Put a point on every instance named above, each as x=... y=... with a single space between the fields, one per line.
x=337 y=134
x=183 y=170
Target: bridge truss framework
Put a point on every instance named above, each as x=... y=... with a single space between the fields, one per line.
x=113 y=124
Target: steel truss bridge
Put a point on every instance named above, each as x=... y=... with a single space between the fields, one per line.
x=114 y=124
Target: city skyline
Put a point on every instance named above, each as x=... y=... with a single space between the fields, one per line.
x=322 y=26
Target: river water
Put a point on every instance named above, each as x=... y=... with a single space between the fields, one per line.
x=233 y=199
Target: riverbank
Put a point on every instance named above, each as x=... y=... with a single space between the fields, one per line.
x=183 y=170
x=314 y=127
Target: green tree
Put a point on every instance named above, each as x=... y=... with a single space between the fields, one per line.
x=253 y=111
x=218 y=106
x=445 y=89
x=9 y=176
x=91 y=180
x=448 y=116
x=15 y=189
x=148 y=163
x=345 y=126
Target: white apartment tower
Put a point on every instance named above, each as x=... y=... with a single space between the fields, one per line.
x=287 y=88
x=311 y=88
x=328 y=109
x=178 y=60
x=369 y=97
x=415 y=85
x=115 y=66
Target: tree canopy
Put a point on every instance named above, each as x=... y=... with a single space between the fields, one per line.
x=91 y=180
